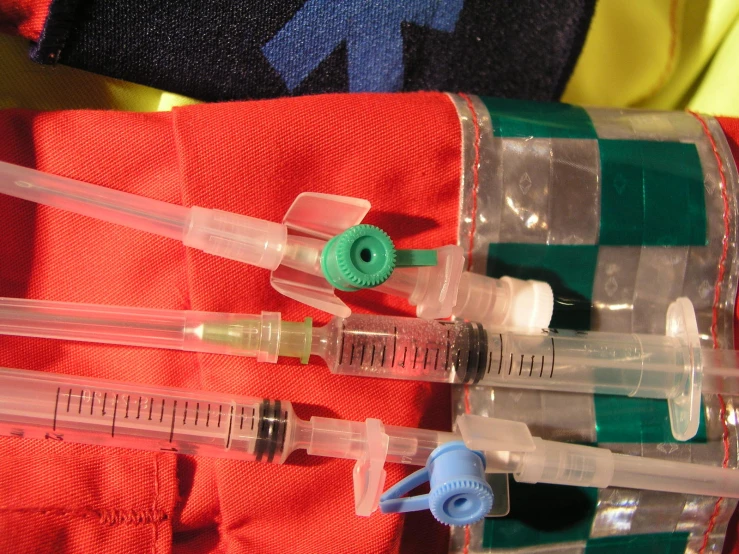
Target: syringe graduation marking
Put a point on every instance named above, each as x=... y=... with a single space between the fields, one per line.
x=69 y=398
x=184 y=419
x=115 y=410
x=174 y=413
x=79 y=411
x=395 y=345
x=56 y=407
x=138 y=409
x=551 y=374
x=128 y=401
x=500 y=363
x=230 y=424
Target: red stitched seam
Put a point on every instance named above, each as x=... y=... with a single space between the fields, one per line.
x=475 y=179
x=104 y=516
x=714 y=319
x=473 y=217
x=725 y=240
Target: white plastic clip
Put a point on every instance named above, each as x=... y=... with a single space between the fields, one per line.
x=369 y=471
x=489 y=434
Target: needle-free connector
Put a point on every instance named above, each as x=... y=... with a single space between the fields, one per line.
x=459 y=494
x=361 y=257
x=364 y=257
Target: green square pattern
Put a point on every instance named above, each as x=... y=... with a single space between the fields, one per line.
x=522 y=119
x=657 y=543
x=569 y=269
x=636 y=420
x=651 y=194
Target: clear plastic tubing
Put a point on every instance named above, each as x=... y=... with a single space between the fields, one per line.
x=234 y=236
x=649 y=366
x=49 y=406
x=145 y=214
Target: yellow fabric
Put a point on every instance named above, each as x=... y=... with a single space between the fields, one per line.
x=25 y=84
x=718 y=91
x=654 y=54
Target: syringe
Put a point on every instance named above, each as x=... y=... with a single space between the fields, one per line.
x=673 y=367
x=319 y=246
x=49 y=406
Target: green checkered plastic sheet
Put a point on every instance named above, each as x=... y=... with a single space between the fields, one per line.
x=622 y=212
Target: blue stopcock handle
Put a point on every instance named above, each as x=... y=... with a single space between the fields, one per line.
x=459 y=493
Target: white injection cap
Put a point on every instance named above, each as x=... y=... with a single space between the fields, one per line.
x=531 y=303
x=504 y=302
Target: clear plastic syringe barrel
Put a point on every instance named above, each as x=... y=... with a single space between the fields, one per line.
x=403 y=348
x=95 y=411
x=130 y=210
x=262 y=336
x=109 y=413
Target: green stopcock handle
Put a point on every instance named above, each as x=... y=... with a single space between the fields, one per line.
x=363 y=257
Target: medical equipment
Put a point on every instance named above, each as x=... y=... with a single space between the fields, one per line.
x=673 y=367
x=319 y=246
x=94 y=411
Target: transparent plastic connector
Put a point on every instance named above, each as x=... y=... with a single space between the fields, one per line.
x=263 y=336
x=236 y=237
x=566 y=464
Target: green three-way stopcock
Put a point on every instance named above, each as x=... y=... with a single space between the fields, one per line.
x=363 y=257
